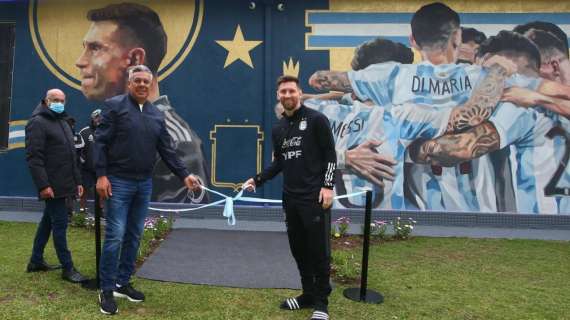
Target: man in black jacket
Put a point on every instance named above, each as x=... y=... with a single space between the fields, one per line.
x=131 y=132
x=303 y=148
x=50 y=153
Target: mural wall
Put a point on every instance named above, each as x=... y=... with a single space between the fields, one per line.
x=423 y=132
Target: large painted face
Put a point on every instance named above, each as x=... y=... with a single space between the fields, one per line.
x=452 y=52
x=289 y=94
x=564 y=66
x=103 y=62
x=557 y=69
x=467 y=52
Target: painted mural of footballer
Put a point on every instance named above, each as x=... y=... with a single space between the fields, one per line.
x=408 y=121
x=471 y=184
x=127 y=34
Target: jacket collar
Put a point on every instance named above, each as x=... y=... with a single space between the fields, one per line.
x=135 y=102
x=296 y=115
x=43 y=110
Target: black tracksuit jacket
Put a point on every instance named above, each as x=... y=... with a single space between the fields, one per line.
x=303 y=148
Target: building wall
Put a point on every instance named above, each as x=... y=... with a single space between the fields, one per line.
x=221 y=64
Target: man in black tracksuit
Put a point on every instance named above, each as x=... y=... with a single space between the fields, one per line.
x=303 y=148
x=86 y=161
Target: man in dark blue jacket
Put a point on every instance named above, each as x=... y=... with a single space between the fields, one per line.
x=131 y=132
x=50 y=153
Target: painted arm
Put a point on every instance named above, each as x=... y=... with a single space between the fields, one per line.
x=527 y=98
x=369 y=164
x=333 y=95
x=483 y=101
x=452 y=149
x=330 y=81
x=554 y=89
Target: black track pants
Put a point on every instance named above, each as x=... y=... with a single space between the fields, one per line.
x=308 y=228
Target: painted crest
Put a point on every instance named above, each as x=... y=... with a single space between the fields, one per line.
x=303 y=125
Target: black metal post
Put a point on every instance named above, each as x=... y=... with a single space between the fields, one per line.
x=93 y=284
x=362 y=294
x=98 y=210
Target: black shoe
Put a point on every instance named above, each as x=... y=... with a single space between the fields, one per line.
x=301 y=302
x=319 y=315
x=73 y=276
x=127 y=291
x=107 y=303
x=43 y=266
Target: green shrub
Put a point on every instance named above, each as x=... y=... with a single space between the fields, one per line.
x=403 y=228
x=155 y=230
x=82 y=220
x=346 y=265
x=378 y=229
x=340 y=227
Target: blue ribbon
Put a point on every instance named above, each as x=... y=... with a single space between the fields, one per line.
x=229 y=203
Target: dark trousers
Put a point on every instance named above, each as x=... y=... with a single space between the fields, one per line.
x=53 y=221
x=308 y=228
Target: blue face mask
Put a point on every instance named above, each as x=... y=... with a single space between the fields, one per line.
x=57 y=107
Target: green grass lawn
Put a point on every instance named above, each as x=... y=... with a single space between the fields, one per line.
x=423 y=278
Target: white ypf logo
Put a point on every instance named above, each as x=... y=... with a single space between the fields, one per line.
x=292 y=154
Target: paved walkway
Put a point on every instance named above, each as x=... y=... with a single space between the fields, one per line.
x=429 y=231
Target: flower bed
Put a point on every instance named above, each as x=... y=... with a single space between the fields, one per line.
x=156 y=228
x=345 y=265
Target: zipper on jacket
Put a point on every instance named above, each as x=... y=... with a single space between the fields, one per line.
x=73 y=164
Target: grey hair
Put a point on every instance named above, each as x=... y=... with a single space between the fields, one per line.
x=138 y=68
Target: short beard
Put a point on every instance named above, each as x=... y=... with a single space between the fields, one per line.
x=288 y=106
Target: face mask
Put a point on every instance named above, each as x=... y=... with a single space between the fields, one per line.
x=56 y=107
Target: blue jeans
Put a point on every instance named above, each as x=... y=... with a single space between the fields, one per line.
x=126 y=212
x=53 y=221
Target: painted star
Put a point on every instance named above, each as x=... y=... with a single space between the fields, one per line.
x=238 y=48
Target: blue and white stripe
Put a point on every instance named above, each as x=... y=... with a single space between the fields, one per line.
x=17 y=134
x=349 y=29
